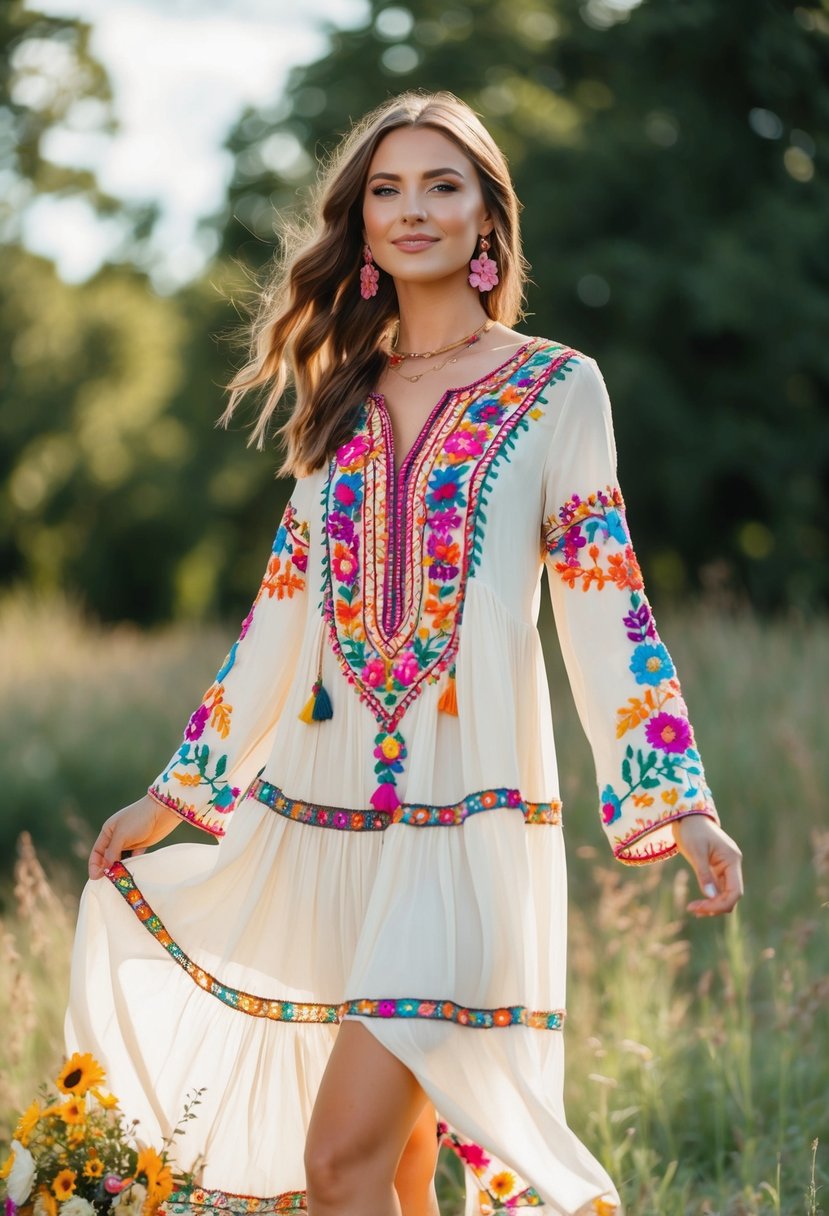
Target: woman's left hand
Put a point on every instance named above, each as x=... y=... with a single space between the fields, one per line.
x=715 y=859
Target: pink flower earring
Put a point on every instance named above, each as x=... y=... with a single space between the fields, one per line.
x=369 y=275
x=484 y=274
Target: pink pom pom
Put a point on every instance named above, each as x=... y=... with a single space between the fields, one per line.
x=385 y=797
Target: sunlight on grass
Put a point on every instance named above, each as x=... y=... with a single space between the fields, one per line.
x=697 y=1062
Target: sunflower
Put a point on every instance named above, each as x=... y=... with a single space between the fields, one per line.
x=73 y=1111
x=159 y=1176
x=27 y=1123
x=107 y=1101
x=64 y=1184
x=94 y=1168
x=502 y=1183
x=80 y=1073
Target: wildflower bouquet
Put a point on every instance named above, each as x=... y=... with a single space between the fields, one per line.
x=75 y=1155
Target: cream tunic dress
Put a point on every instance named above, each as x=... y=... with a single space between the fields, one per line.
x=375 y=758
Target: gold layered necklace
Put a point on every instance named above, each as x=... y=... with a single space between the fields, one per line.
x=396 y=357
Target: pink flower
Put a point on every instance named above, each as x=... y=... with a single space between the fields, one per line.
x=198 y=721
x=484 y=274
x=352 y=451
x=374 y=673
x=474 y=1156
x=466 y=443
x=668 y=733
x=406 y=669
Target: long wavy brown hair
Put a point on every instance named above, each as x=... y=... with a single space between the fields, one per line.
x=313 y=328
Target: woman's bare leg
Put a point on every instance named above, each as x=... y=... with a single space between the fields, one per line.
x=415 y=1177
x=365 y=1113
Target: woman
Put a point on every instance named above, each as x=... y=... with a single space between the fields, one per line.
x=372 y=961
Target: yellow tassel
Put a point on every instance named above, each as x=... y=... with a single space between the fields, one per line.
x=449 y=698
x=307 y=712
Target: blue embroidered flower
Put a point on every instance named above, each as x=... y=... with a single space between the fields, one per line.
x=651 y=664
x=611 y=806
x=348 y=491
x=445 y=489
x=616 y=526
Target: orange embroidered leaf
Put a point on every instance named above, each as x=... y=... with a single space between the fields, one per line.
x=636 y=711
x=187 y=778
x=220 y=718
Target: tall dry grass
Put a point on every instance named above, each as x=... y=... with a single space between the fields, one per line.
x=698 y=1052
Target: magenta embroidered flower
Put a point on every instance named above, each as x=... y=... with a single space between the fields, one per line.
x=484 y=274
x=573 y=541
x=668 y=733
x=300 y=561
x=340 y=819
x=386 y=1009
x=405 y=669
x=344 y=563
x=374 y=673
x=246 y=624
x=340 y=526
x=466 y=443
x=445 y=520
x=446 y=814
x=474 y=1156
x=353 y=451
x=198 y=720
x=348 y=491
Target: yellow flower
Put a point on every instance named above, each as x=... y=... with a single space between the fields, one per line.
x=7 y=1168
x=80 y=1073
x=27 y=1123
x=108 y=1101
x=64 y=1184
x=390 y=747
x=159 y=1177
x=502 y=1183
x=47 y=1201
x=94 y=1168
x=72 y=1111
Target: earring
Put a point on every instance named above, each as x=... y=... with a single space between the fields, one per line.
x=369 y=275
x=484 y=274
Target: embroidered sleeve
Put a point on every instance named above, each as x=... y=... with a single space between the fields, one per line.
x=228 y=736
x=624 y=682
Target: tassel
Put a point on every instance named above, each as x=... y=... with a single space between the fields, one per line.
x=318 y=706
x=385 y=797
x=449 y=698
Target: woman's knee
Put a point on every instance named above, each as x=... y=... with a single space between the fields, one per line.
x=337 y=1164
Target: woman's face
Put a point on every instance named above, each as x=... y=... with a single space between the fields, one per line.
x=423 y=209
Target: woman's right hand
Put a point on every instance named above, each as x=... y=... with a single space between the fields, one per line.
x=134 y=827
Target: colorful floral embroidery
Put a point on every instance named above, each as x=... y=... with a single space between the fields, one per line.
x=195 y=1201
x=499 y=1190
x=401 y=545
x=315 y=1012
x=197 y=764
x=583 y=536
x=414 y=814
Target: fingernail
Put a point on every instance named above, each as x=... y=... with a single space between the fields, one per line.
x=710 y=890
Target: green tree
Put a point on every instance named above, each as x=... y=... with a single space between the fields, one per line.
x=673 y=162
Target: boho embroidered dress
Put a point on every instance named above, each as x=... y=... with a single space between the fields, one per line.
x=401 y=860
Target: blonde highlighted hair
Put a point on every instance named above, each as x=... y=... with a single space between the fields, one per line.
x=313 y=329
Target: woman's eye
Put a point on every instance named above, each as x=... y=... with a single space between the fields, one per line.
x=445 y=186
x=382 y=189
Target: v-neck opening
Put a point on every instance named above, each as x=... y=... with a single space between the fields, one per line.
x=450 y=394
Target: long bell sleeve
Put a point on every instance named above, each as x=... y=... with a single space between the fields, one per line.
x=229 y=735
x=624 y=682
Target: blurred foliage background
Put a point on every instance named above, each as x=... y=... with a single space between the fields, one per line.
x=672 y=162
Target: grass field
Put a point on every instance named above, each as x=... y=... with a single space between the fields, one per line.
x=698 y=1052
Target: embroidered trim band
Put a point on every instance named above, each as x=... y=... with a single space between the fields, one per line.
x=195 y=1201
x=414 y=814
x=311 y=1011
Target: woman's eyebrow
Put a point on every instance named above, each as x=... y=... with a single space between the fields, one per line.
x=395 y=177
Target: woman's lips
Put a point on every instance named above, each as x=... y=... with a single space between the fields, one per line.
x=414 y=244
